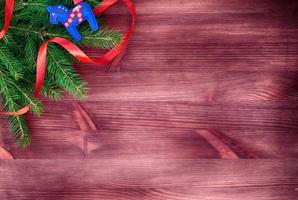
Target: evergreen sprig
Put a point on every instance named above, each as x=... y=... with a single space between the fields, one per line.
x=29 y=28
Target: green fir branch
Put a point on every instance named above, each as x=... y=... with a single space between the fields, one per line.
x=12 y=44
x=18 y=127
x=64 y=73
x=8 y=59
x=30 y=52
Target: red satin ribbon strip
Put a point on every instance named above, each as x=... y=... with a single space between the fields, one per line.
x=17 y=113
x=69 y=46
x=77 y=52
x=9 y=5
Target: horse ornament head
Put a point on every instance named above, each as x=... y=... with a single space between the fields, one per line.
x=55 y=12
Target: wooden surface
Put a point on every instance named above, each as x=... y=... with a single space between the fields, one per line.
x=200 y=80
x=152 y=179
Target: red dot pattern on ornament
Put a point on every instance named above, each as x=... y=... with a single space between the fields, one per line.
x=75 y=13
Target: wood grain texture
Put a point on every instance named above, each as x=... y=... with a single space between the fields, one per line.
x=212 y=36
x=141 y=178
x=228 y=66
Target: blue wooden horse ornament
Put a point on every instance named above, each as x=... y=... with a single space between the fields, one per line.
x=72 y=18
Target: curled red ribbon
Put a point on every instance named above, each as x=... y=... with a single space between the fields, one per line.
x=69 y=46
x=9 y=5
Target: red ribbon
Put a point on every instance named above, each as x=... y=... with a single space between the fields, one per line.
x=9 y=5
x=69 y=46
x=17 y=113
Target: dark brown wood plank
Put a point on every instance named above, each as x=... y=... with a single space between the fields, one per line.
x=210 y=35
x=241 y=86
x=149 y=179
x=101 y=144
x=259 y=128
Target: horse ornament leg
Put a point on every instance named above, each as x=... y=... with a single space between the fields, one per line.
x=90 y=16
x=73 y=31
